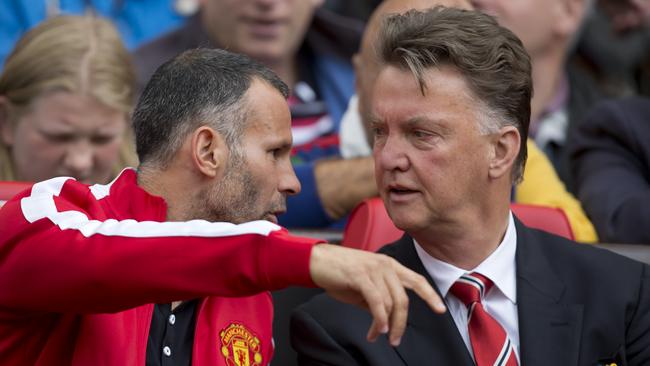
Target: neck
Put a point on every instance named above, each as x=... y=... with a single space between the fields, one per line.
x=548 y=71
x=286 y=69
x=468 y=241
x=170 y=186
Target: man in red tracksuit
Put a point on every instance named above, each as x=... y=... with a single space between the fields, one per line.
x=169 y=264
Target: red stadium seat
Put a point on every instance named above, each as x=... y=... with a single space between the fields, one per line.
x=550 y=219
x=369 y=227
x=10 y=189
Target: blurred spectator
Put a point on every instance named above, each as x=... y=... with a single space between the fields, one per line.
x=310 y=49
x=611 y=160
x=137 y=20
x=613 y=57
x=547 y=27
x=65 y=96
x=540 y=185
x=627 y=15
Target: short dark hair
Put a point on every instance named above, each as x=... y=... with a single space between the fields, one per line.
x=490 y=57
x=196 y=88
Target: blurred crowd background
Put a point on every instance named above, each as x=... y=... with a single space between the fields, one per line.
x=67 y=88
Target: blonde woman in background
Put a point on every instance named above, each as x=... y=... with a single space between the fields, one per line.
x=66 y=94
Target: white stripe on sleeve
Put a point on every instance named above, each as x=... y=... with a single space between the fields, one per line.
x=40 y=204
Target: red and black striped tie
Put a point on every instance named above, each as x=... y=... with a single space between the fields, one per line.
x=490 y=342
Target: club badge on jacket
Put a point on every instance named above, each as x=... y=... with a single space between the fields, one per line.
x=239 y=346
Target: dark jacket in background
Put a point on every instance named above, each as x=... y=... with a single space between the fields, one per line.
x=610 y=154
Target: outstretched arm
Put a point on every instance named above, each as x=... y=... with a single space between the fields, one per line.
x=60 y=253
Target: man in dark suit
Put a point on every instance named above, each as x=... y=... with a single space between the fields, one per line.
x=450 y=110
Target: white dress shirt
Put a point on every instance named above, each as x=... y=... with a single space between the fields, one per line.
x=501 y=300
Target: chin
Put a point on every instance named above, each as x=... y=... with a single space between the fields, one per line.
x=265 y=53
x=408 y=223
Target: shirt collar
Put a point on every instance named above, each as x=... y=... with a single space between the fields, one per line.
x=130 y=201
x=500 y=266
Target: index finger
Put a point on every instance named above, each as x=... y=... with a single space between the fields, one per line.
x=422 y=288
x=375 y=303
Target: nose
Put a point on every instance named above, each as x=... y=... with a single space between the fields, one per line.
x=288 y=182
x=266 y=3
x=78 y=159
x=390 y=153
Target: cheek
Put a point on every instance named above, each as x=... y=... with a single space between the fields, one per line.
x=28 y=142
x=377 y=163
x=36 y=160
x=264 y=178
x=440 y=173
x=108 y=154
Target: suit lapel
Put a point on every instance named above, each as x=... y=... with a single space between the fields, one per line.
x=430 y=338
x=549 y=331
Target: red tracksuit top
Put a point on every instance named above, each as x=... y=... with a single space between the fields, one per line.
x=81 y=267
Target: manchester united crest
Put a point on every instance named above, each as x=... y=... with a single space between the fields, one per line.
x=239 y=346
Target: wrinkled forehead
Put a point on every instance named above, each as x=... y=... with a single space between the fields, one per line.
x=398 y=95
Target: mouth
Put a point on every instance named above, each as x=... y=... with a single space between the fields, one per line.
x=273 y=216
x=400 y=193
x=264 y=28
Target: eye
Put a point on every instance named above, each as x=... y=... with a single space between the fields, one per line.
x=378 y=131
x=420 y=134
x=276 y=153
x=59 y=138
x=102 y=139
x=424 y=138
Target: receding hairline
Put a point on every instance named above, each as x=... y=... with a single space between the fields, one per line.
x=246 y=103
x=391 y=7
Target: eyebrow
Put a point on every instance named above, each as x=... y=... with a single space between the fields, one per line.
x=374 y=120
x=282 y=144
x=286 y=146
x=413 y=122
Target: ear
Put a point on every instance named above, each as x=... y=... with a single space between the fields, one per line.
x=209 y=151
x=6 y=125
x=568 y=17
x=505 y=144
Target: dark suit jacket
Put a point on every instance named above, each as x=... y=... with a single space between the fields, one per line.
x=577 y=305
x=611 y=163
